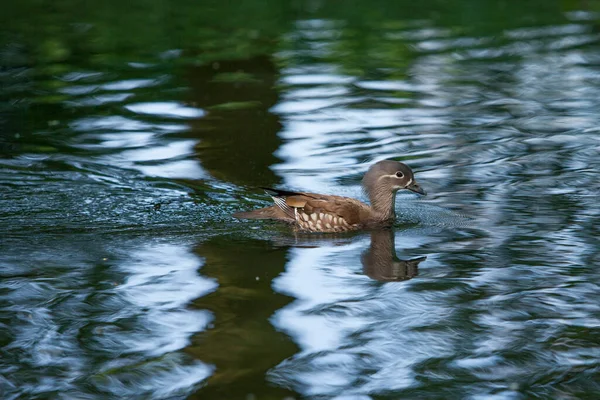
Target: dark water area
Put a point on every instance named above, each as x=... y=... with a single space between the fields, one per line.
x=130 y=132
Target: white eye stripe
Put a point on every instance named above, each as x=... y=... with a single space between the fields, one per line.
x=388 y=176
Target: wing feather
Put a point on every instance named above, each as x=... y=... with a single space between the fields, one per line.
x=280 y=202
x=337 y=210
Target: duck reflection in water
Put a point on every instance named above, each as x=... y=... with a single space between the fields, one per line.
x=381 y=263
x=379 y=260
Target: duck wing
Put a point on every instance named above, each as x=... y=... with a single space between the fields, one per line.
x=317 y=212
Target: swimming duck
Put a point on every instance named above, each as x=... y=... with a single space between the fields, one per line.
x=328 y=213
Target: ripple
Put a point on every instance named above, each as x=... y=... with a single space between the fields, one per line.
x=59 y=316
x=165 y=109
x=120 y=123
x=306 y=78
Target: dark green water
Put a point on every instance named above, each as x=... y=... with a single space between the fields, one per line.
x=130 y=131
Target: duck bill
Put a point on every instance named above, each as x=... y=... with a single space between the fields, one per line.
x=415 y=187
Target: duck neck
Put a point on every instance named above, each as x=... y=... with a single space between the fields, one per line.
x=383 y=204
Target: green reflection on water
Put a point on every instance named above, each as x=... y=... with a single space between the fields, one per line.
x=242 y=345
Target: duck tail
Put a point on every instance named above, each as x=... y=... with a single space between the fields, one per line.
x=272 y=212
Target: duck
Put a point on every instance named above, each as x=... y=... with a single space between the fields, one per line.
x=312 y=212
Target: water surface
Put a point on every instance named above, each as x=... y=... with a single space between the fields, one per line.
x=128 y=138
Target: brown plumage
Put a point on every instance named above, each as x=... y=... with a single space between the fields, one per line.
x=327 y=213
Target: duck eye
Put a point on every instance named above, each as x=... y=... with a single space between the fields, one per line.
x=399 y=174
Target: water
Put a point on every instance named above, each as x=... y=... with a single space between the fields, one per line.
x=128 y=138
